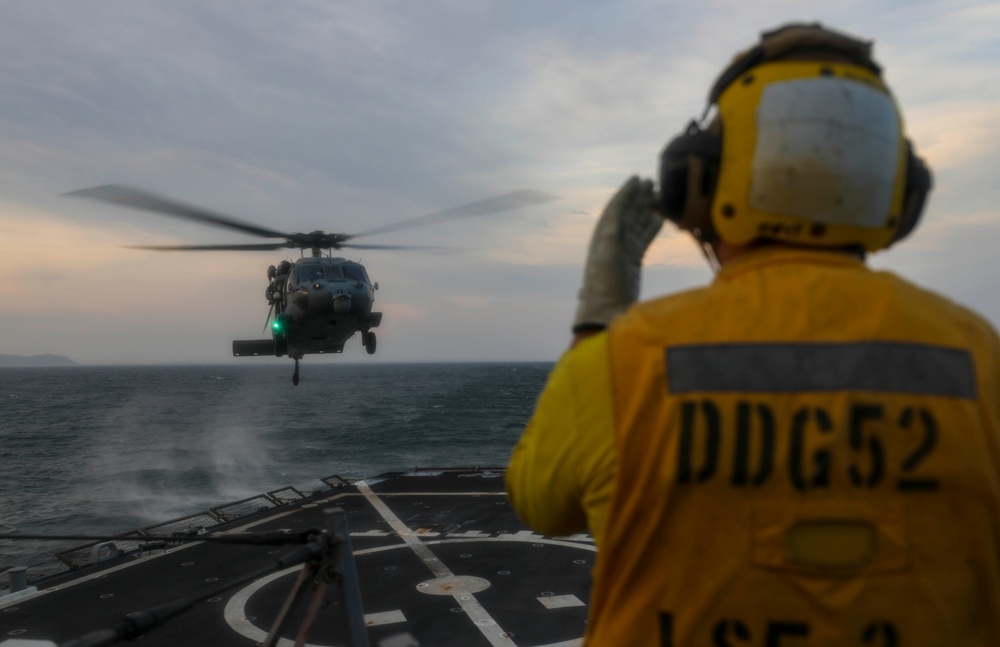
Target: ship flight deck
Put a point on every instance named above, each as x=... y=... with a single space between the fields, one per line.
x=439 y=554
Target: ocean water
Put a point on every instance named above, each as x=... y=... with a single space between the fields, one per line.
x=104 y=450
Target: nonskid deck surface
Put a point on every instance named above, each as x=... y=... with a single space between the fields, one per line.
x=439 y=553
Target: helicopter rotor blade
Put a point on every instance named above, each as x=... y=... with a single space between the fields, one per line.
x=421 y=247
x=126 y=196
x=262 y=247
x=506 y=202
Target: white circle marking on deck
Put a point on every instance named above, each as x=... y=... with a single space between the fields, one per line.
x=455 y=585
x=235 y=612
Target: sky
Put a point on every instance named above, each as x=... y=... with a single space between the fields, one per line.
x=344 y=116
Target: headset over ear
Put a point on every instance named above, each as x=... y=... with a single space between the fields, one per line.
x=919 y=182
x=691 y=163
x=689 y=170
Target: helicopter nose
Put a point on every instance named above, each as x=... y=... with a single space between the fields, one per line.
x=340 y=303
x=322 y=299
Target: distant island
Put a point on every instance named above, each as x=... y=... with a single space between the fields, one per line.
x=35 y=360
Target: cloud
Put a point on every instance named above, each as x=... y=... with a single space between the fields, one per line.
x=562 y=239
x=951 y=134
x=394 y=312
x=472 y=301
x=68 y=284
x=598 y=104
x=42 y=259
x=675 y=248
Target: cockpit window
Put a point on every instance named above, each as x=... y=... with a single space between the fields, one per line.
x=333 y=273
x=355 y=272
x=310 y=273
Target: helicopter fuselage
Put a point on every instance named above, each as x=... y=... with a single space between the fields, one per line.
x=323 y=303
x=319 y=303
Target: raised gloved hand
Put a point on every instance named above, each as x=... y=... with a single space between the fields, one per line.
x=611 y=277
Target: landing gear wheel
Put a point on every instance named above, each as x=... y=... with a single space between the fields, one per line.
x=295 y=374
x=370 y=342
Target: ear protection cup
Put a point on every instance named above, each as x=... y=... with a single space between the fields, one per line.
x=919 y=182
x=689 y=168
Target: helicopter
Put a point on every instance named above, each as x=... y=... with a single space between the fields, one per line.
x=318 y=302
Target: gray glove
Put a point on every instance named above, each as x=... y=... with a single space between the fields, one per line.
x=614 y=262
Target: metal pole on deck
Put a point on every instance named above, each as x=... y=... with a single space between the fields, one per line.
x=336 y=523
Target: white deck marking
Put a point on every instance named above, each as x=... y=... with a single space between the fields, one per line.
x=560 y=601
x=452 y=585
x=465 y=599
x=235 y=611
x=370 y=533
x=384 y=618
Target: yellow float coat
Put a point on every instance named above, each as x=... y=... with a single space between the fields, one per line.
x=805 y=453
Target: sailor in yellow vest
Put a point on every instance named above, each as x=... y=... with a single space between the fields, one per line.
x=806 y=452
